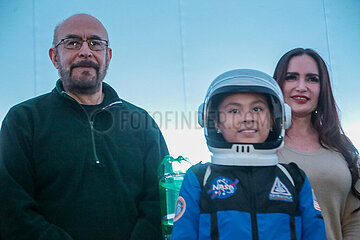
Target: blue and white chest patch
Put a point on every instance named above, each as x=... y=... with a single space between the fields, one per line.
x=222 y=187
x=280 y=192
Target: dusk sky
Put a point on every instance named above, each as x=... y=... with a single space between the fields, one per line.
x=166 y=52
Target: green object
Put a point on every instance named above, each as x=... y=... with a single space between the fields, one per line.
x=171 y=174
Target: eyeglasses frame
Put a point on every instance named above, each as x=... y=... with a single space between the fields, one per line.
x=83 y=40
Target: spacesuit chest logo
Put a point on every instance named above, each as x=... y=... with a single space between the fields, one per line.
x=280 y=192
x=222 y=187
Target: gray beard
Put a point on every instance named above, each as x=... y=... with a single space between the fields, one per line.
x=81 y=85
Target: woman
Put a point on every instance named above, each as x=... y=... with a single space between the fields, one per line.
x=317 y=143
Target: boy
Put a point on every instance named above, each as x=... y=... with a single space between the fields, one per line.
x=244 y=193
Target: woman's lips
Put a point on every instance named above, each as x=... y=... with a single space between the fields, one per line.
x=300 y=99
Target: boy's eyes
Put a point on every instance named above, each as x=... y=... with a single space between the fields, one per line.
x=254 y=109
x=234 y=111
x=257 y=109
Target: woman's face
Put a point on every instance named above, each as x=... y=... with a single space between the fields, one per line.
x=301 y=87
x=244 y=118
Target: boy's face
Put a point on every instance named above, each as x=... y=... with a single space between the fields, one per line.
x=244 y=118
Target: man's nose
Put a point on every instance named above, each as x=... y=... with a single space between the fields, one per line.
x=85 y=51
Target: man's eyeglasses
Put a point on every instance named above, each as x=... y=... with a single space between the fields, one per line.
x=76 y=43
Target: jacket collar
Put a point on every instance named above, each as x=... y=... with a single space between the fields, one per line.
x=110 y=94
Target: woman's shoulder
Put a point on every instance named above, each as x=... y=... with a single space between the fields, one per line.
x=321 y=152
x=323 y=158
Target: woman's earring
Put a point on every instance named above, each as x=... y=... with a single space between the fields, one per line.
x=218 y=131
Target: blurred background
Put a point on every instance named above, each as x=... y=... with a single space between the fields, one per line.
x=166 y=52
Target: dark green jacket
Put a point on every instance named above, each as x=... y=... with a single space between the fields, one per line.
x=65 y=175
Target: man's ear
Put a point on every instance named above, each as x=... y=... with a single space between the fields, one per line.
x=53 y=57
x=108 y=57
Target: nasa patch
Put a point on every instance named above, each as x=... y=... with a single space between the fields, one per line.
x=280 y=192
x=180 y=208
x=222 y=187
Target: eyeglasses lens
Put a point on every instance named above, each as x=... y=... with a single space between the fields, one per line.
x=94 y=44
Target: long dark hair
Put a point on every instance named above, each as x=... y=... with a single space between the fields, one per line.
x=325 y=119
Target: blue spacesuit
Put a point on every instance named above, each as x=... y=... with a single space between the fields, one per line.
x=244 y=193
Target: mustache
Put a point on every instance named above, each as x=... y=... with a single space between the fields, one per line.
x=85 y=63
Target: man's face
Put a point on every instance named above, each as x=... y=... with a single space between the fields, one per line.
x=81 y=70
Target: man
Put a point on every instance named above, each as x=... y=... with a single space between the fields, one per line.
x=78 y=162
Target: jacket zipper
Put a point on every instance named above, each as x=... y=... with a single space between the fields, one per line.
x=93 y=141
x=91 y=123
x=97 y=161
x=254 y=227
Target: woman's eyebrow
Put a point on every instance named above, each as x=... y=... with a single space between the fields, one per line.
x=292 y=73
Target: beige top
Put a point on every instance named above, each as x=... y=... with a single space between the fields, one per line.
x=331 y=180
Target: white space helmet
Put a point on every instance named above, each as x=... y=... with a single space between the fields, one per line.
x=245 y=154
